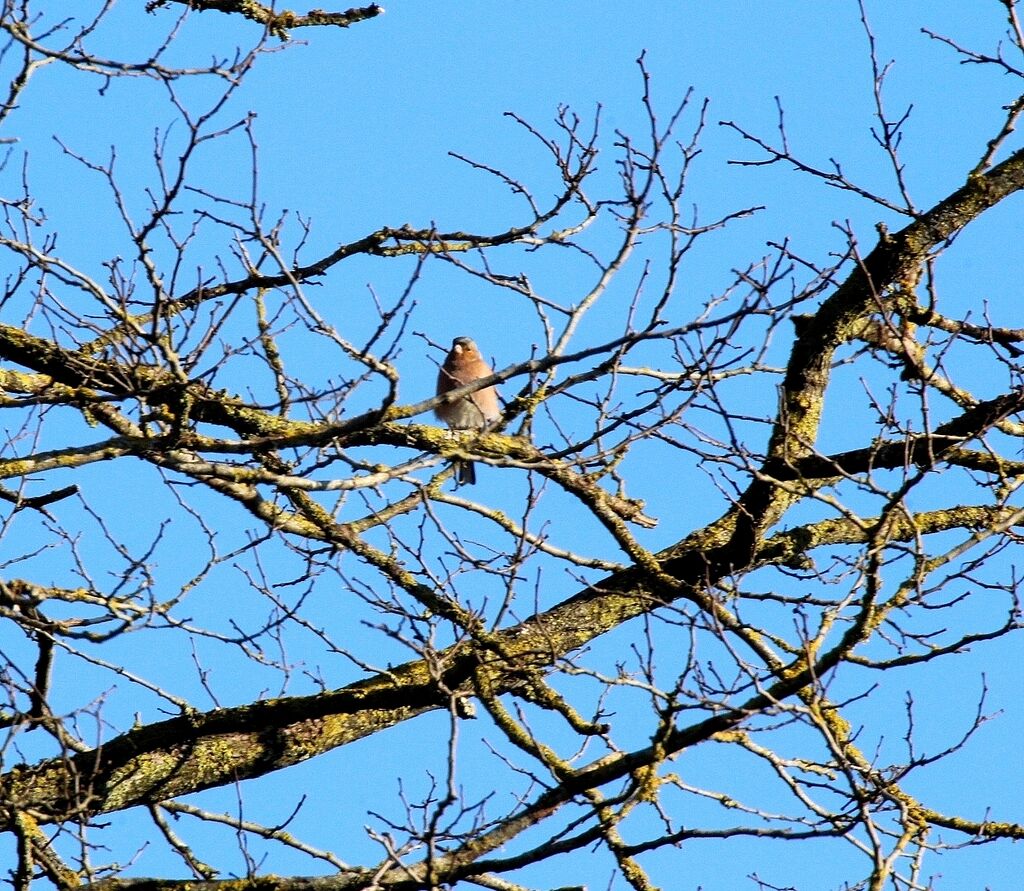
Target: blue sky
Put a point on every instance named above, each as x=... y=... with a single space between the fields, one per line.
x=354 y=130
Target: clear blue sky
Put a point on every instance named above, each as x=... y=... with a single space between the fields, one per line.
x=354 y=130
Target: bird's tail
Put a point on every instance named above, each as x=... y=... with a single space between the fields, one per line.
x=465 y=472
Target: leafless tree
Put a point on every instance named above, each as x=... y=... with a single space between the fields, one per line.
x=306 y=574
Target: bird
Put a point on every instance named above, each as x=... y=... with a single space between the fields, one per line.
x=474 y=411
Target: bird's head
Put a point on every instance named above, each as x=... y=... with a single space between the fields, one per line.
x=463 y=345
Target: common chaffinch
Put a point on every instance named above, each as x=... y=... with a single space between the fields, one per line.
x=475 y=411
